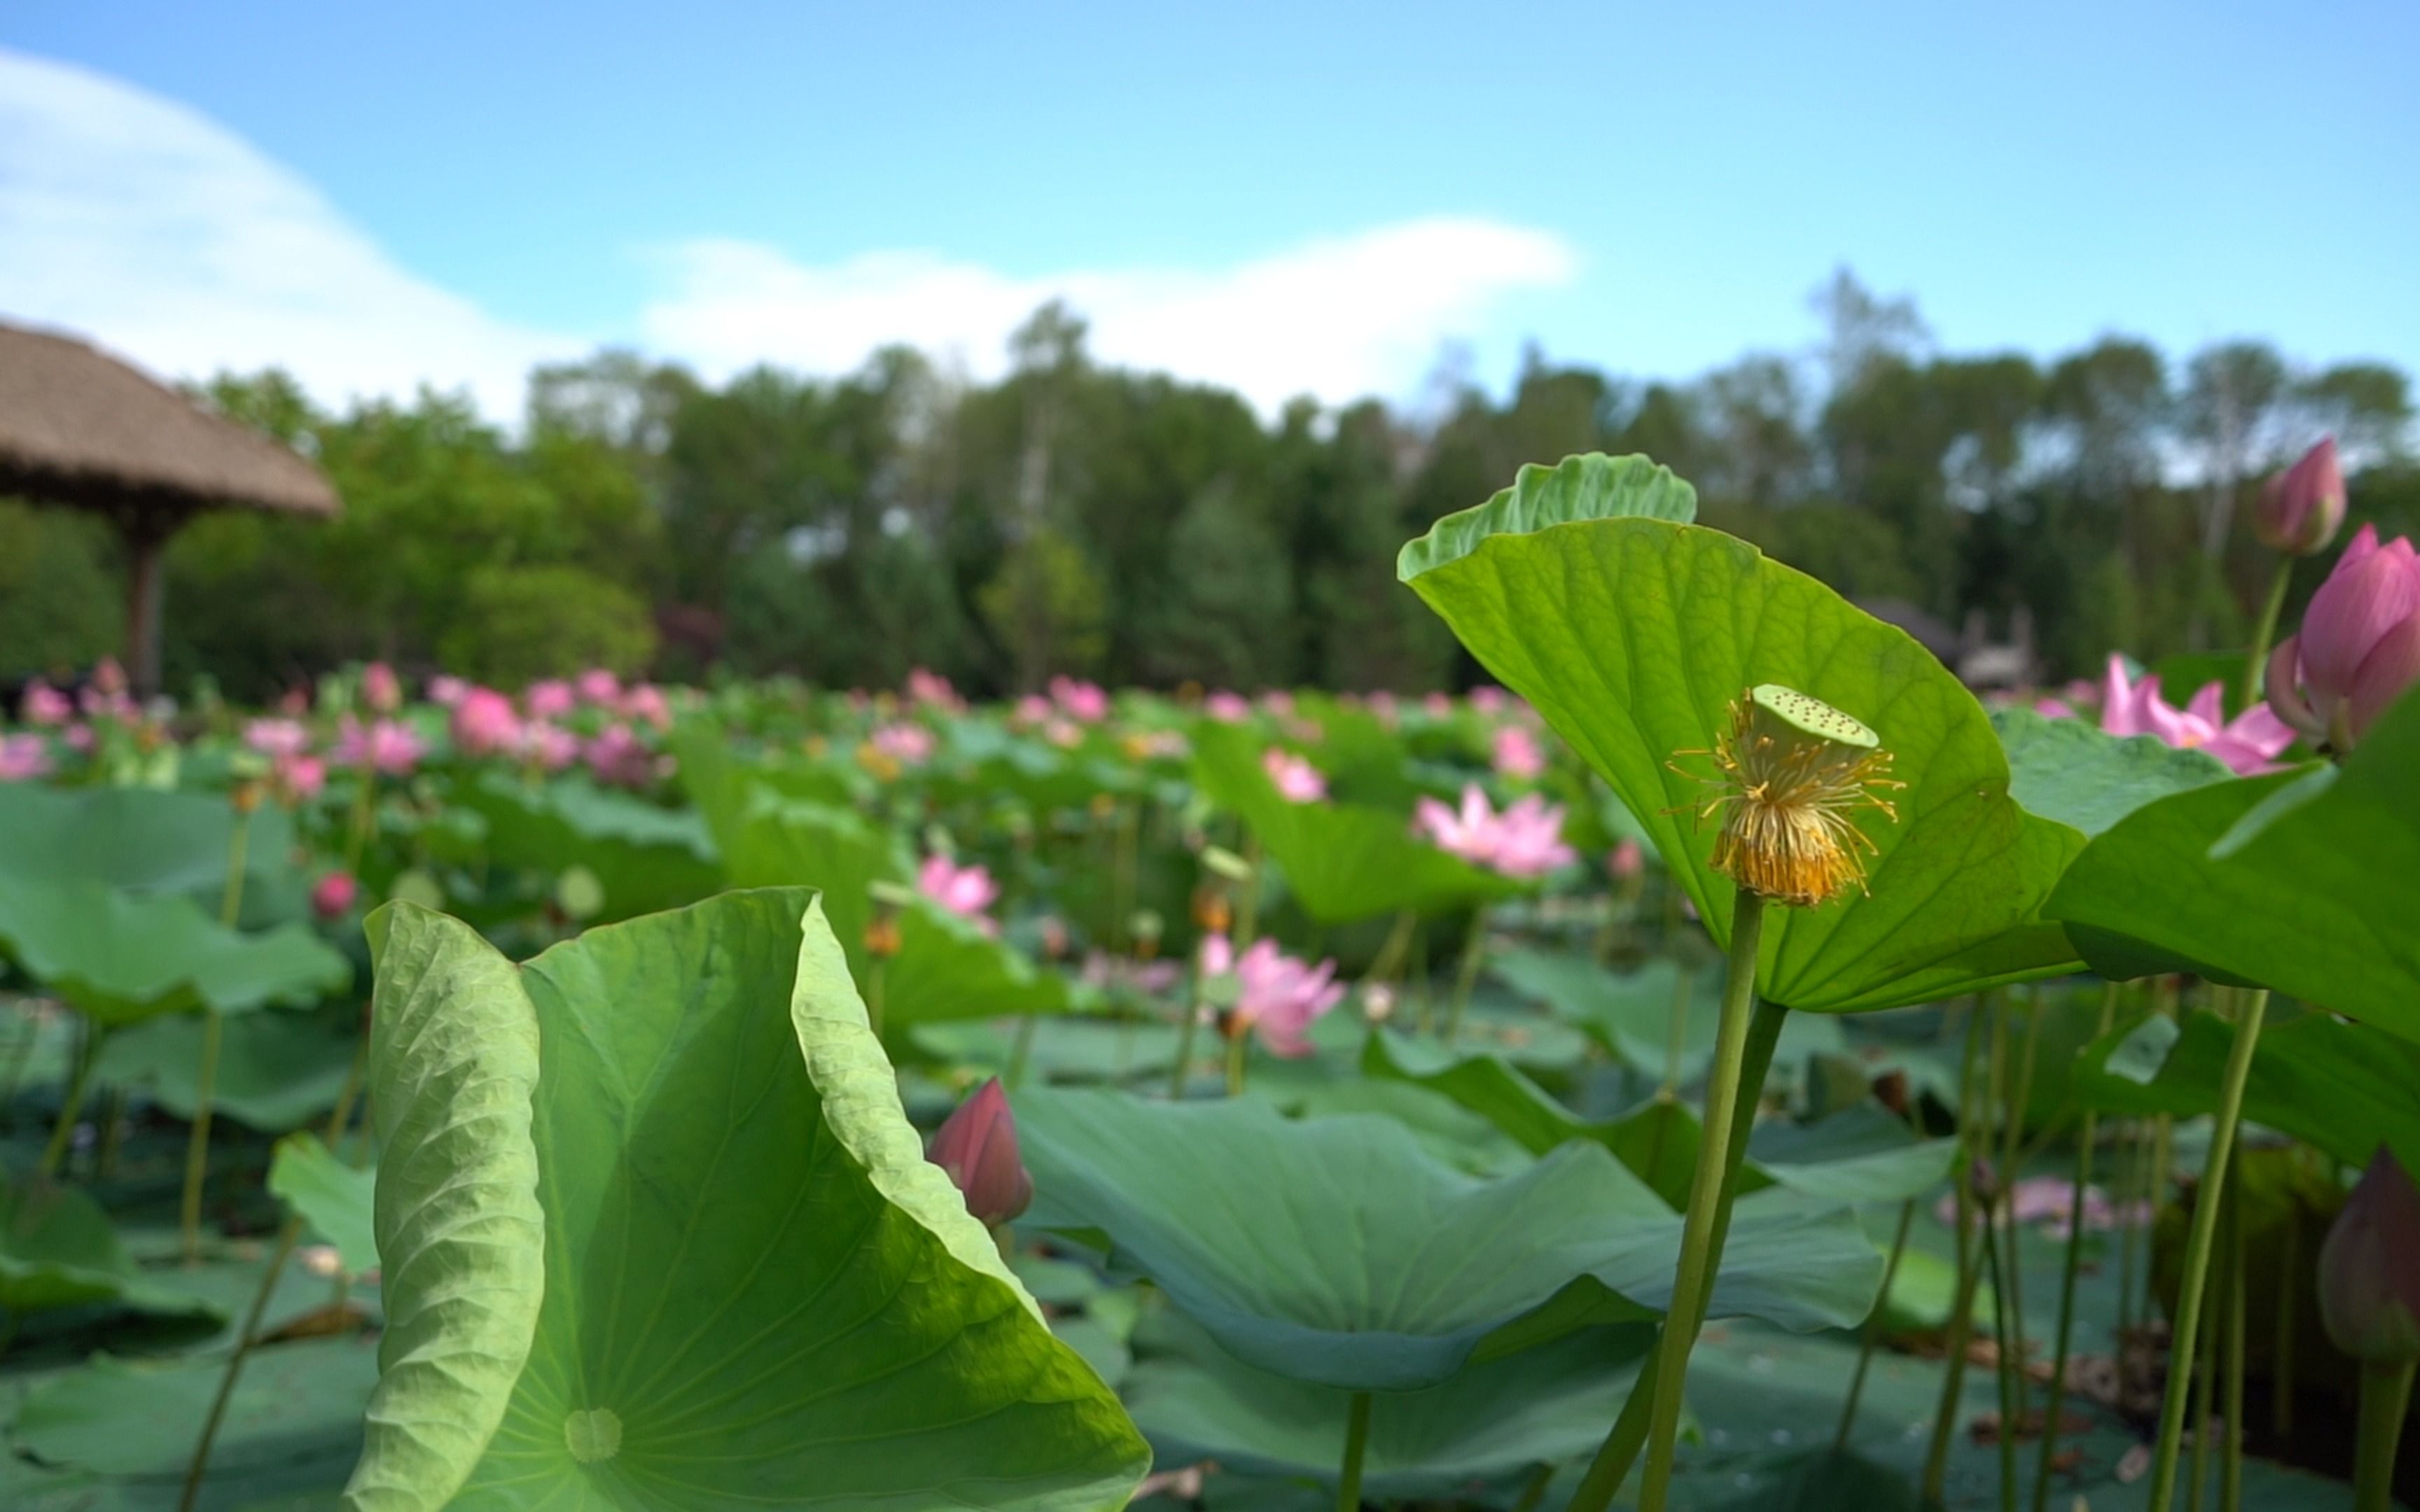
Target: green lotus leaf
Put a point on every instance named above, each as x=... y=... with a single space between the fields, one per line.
x=277 y=1072
x=296 y=1413
x=947 y=967
x=335 y=1199
x=644 y=857
x=1341 y=861
x=2070 y=771
x=120 y=958
x=1334 y=1251
x=152 y=841
x=58 y=1250
x=1591 y=486
x=1634 y=636
x=1859 y=1154
x=2303 y=882
x=756 y=1289
x=2345 y=1088
x=1630 y=1013
x=1194 y=1401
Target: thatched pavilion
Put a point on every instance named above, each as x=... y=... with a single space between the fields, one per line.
x=86 y=431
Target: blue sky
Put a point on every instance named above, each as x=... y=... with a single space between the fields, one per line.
x=1276 y=196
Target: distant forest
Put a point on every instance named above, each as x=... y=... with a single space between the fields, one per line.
x=1139 y=529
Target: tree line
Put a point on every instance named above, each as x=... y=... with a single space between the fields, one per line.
x=1137 y=528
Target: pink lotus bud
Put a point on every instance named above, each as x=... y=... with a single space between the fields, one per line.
x=380 y=688
x=2359 y=646
x=2369 y=1268
x=1629 y=859
x=485 y=723
x=977 y=1146
x=47 y=706
x=332 y=896
x=2303 y=507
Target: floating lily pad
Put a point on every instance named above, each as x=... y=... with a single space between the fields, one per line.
x=120 y=958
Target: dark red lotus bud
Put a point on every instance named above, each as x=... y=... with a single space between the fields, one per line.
x=2369 y=1268
x=977 y=1146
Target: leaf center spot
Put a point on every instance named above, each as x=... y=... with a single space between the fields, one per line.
x=592 y=1435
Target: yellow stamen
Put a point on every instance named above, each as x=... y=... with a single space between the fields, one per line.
x=1792 y=770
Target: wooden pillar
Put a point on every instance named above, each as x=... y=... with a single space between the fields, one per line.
x=147 y=545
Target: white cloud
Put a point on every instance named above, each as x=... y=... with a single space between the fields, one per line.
x=162 y=234
x=144 y=224
x=1339 y=317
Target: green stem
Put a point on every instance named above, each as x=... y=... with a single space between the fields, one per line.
x=1122 y=876
x=1236 y=1045
x=1465 y=976
x=1620 y=1451
x=2134 y=1152
x=2265 y=631
x=2011 y=1411
x=1391 y=952
x=2230 y=1473
x=1247 y=905
x=2198 y=1249
x=1874 y=1329
x=1185 y=1031
x=63 y=1131
x=2205 y=1385
x=1020 y=1050
x=197 y=1141
x=2289 y=1291
x=1962 y=1306
x=1534 y=1491
x=1357 y=1443
x=873 y=972
x=2385 y=1398
x=2084 y=1142
x=2012 y=1162
x=1695 y=1277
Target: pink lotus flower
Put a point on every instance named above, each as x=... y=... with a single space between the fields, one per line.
x=1277 y=702
x=1526 y=841
x=2301 y=508
x=2359 y=647
x=1517 y=754
x=964 y=890
x=2247 y=743
x=1081 y=701
x=1064 y=734
x=1296 y=779
x=977 y=1146
x=384 y=745
x=485 y=723
x=910 y=745
x=1277 y=996
x=1386 y=707
x=1151 y=979
x=1489 y=699
x=23 y=757
x=298 y=779
x=1032 y=709
x=933 y=691
x=277 y=738
x=332 y=896
x=1628 y=860
x=646 y=704
x=47 y=706
x=445 y=691
x=550 y=747
x=617 y=759
x=2369 y=1267
x=598 y=686
x=380 y=688
x=1438 y=706
x=1227 y=707
x=550 y=700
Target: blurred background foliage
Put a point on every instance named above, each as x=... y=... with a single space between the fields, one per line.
x=1134 y=528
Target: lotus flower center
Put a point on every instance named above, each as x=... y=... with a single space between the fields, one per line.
x=592 y=1435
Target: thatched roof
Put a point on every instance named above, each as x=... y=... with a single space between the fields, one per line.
x=81 y=429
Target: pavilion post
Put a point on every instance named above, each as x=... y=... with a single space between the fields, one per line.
x=147 y=547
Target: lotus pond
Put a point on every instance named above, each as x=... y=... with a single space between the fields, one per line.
x=1719 y=1064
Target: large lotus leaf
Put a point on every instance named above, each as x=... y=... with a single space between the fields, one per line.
x=151 y=840
x=1497 y=1417
x=297 y=1406
x=1860 y=1154
x=1635 y=635
x=1342 y=861
x=1334 y=1251
x=2345 y=1088
x=947 y=967
x=722 y=782
x=2305 y=882
x=120 y=958
x=756 y=1291
x=2071 y=771
x=335 y=1199
x=58 y=1250
x=1071 y=1049
x=644 y=857
x=275 y=1073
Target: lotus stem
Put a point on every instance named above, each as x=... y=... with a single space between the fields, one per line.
x=63 y=1131
x=2205 y=1388
x=1020 y=1050
x=1122 y=876
x=1620 y=1451
x=1694 y=1280
x=2198 y=1245
x=2385 y=1398
x=2011 y=1409
x=1534 y=1491
x=1357 y=1444
x=1465 y=976
x=197 y=1141
x=1874 y=1329
x=2083 y=1181
x=1238 y=1044
x=2011 y=1162
x=1959 y=1325
x=2265 y=630
x=2134 y=1153
x=2231 y=1474
x=1247 y=904
x=2289 y=1293
x=1185 y=1031
x=874 y=971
